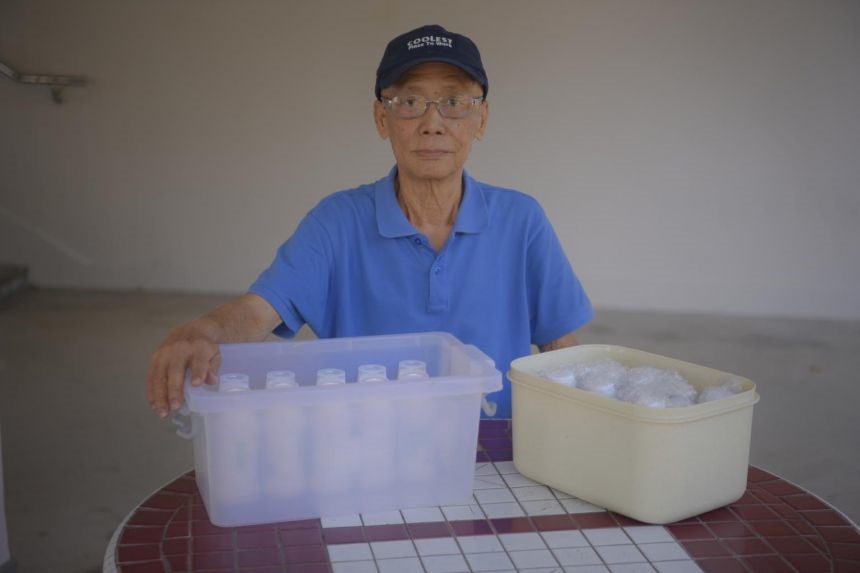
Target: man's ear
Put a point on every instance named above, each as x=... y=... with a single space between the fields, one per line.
x=485 y=114
x=380 y=120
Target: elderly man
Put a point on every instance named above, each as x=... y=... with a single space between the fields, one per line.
x=427 y=248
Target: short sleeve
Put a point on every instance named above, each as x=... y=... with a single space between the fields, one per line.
x=558 y=304
x=297 y=282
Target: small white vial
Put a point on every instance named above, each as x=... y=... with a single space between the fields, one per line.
x=372 y=373
x=412 y=370
x=330 y=376
x=234 y=383
x=281 y=379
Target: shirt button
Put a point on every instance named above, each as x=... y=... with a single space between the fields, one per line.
x=437 y=270
x=417 y=241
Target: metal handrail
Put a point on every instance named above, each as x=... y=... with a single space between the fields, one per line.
x=57 y=83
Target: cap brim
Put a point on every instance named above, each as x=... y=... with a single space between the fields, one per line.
x=395 y=74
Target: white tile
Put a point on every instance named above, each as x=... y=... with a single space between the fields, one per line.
x=606 y=536
x=392 y=549
x=445 y=564
x=533 y=493
x=494 y=495
x=522 y=541
x=576 y=556
x=498 y=510
x=355 y=567
x=488 y=482
x=382 y=518
x=575 y=505
x=560 y=494
x=485 y=468
x=403 y=565
x=677 y=567
x=545 y=507
x=587 y=569
x=422 y=514
x=631 y=568
x=489 y=561
x=462 y=512
x=663 y=551
x=349 y=552
x=479 y=543
x=533 y=558
x=437 y=546
x=648 y=534
x=518 y=480
x=341 y=521
x=555 y=569
x=620 y=554
x=556 y=539
x=506 y=468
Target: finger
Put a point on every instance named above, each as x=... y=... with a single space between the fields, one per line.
x=214 y=369
x=159 y=387
x=175 y=380
x=150 y=380
x=200 y=365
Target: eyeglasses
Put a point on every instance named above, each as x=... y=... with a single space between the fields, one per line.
x=412 y=106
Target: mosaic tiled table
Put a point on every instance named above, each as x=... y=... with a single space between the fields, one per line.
x=513 y=524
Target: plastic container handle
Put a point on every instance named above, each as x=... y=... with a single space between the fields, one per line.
x=182 y=419
x=488 y=407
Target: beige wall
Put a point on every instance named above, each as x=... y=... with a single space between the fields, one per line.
x=692 y=155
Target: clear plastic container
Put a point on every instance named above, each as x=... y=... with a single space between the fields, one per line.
x=342 y=441
x=656 y=465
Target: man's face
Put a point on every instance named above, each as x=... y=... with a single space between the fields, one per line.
x=432 y=147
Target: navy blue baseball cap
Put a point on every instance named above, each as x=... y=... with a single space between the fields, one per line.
x=429 y=44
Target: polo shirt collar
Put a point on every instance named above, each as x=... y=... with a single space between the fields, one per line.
x=473 y=216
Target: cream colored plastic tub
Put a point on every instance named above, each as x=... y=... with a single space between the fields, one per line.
x=656 y=465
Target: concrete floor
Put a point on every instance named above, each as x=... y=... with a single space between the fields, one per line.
x=81 y=447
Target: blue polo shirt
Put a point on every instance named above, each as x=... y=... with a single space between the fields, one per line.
x=356 y=266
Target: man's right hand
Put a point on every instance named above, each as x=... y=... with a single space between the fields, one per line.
x=194 y=347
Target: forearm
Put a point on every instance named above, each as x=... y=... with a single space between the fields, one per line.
x=564 y=342
x=248 y=318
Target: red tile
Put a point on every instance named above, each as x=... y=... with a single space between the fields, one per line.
x=772 y=528
x=786 y=512
x=176 y=546
x=689 y=531
x=344 y=535
x=840 y=566
x=725 y=565
x=264 y=569
x=302 y=537
x=824 y=517
x=493 y=428
x=756 y=475
x=131 y=535
x=755 y=512
x=594 y=520
x=430 y=529
x=179 y=563
x=131 y=553
x=258 y=527
x=746 y=499
x=471 y=527
x=309 y=568
x=804 y=501
x=199 y=512
x=224 y=560
x=300 y=524
x=305 y=554
x=709 y=548
x=748 y=546
x=512 y=525
x=731 y=530
x=212 y=543
x=809 y=563
x=793 y=545
x=766 y=496
x=164 y=501
x=181 y=529
x=500 y=455
x=182 y=485
x=818 y=543
x=481 y=457
x=803 y=527
x=553 y=522
x=845 y=551
x=496 y=443
x=150 y=517
x=207 y=528
x=625 y=521
x=386 y=532
x=781 y=488
x=153 y=567
x=257 y=539
x=840 y=534
x=260 y=557
x=767 y=564
x=721 y=514
x=182 y=514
